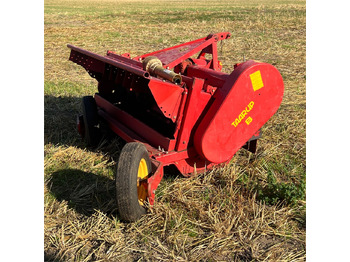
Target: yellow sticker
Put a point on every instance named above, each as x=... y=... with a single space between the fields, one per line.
x=256 y=80
x=249 y=120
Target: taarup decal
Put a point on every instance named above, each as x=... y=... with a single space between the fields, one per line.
x=243 y=114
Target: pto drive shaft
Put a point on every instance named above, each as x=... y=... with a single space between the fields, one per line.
x=154 y=66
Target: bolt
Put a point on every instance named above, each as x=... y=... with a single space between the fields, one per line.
x=183 y=142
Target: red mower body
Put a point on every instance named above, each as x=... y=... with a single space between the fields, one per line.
x=184 y=110
x=249 y=97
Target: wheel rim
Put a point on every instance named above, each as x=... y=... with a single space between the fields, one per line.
x=142 y=174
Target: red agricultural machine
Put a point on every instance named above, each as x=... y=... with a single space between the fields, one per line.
x=174 y=107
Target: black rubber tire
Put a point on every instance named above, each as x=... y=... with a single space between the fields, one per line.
x=129 y=208
x=92 y=135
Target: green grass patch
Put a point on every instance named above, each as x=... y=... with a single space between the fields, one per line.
x=275 y=192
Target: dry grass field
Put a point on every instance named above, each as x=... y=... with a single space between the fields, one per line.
x=250 y=210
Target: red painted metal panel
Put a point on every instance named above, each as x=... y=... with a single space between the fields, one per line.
x=249 y=98
x=174 y=156
x=193 y=165
x=128 y=67
x=212 y=77
x=124 y=59
x=196 y=102
x=172 y=56
x=168 y=97
x=181 y=112
x=154 y=180
x=188 y=162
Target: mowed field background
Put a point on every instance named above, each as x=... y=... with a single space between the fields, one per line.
x=250 y=210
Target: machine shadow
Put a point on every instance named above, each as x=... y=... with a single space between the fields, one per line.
x=60 y=120
x=60 y=126
x=84 y=192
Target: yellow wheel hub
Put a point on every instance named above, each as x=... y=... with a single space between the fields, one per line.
x=142 y=174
